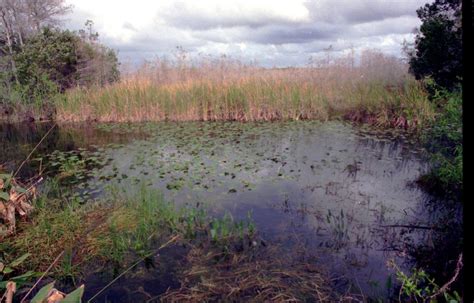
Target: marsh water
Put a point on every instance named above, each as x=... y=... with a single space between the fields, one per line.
x=343 y=193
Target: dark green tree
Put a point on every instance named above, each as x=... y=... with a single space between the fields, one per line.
x=51 y=54
x=55 y=60
x=438 y=45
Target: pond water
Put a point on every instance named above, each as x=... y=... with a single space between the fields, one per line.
x=344 y=193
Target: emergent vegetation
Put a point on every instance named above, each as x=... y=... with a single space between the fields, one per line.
x=379 y=91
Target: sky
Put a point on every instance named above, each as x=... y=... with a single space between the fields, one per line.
x=271 y=32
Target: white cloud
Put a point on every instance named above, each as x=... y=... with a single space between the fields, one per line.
x=275 y=32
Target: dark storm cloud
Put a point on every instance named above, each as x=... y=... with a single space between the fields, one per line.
x=318 y=31
x=328 y=20
x=336 y=12
x=281 y=34
x=361 y=11
x=187 y=17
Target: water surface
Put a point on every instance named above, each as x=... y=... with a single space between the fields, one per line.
x=343 y=193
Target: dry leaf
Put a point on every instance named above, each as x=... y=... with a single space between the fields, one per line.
x=10 y=218
x=18 y=202
x=14 y=195
x=55 y=296
x=24 y=208
x=33 y=192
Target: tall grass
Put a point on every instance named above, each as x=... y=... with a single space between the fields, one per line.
x=377 y=90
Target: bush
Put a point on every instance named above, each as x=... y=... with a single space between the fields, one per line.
x=66 y=59
x=444 y=140
x=49 y=63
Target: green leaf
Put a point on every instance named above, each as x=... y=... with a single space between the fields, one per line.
x=19 y=280
x=75 y=296
x=4 y=196
x=20 y=260
x=7 y=270
x=42 y=293
x=21 y=190
x=25 y=276
x=5 y=177
x=213 y=234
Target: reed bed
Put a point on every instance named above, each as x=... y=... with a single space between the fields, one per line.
x=379 y=90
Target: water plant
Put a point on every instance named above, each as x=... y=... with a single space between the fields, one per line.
x=74 y=166
x=420 y=287
x=250 y=93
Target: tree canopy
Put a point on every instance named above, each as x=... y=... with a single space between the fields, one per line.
x=438 y=45
x=39 y=59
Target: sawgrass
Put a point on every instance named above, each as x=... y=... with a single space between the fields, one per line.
x=379 y=91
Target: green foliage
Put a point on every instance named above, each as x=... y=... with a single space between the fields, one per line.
x=66 y=59
x=438 y=45
x=73 y=297
x=54 y=227
x=50 y=62
x=250 y=99
x=42 y=293
x=420 y=287
x=445 y=141
x=119 y=228
x=50 y=54
x=5 y=181
x=9 y=272
x=146 y=218
x=73 y=167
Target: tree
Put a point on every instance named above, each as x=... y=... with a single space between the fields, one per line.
x=98 y=64
x=20 y=20
x=65 y=58
x=50 y=54
x=438 y=44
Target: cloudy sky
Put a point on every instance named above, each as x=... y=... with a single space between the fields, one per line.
x=272 y=32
